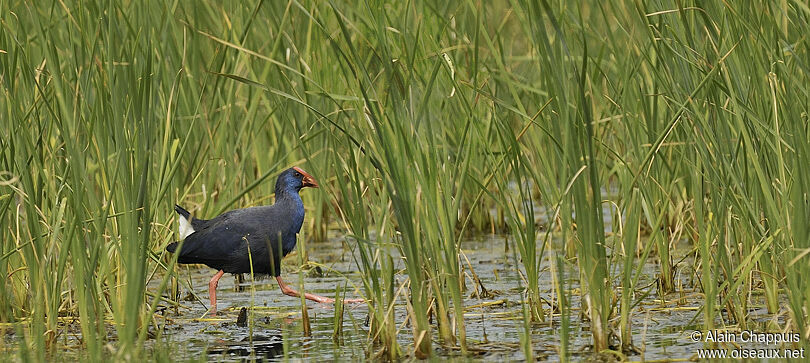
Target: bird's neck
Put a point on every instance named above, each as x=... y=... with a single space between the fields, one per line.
x=291 y=201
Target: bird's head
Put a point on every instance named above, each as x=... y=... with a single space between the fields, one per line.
x=293 y=179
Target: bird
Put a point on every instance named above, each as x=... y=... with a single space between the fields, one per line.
x=263 y=235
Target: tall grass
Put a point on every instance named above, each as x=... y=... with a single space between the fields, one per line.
x=426 y=122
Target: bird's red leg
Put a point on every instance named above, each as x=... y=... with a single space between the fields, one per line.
x=212 y=291
x=289 y=291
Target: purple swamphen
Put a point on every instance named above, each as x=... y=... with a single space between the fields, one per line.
x=263 y=234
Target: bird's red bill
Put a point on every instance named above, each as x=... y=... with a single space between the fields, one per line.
x=308 y=180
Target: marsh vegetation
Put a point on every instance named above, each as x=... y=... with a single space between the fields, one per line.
x=632 y=158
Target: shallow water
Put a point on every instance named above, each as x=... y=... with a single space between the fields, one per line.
x=660 y=326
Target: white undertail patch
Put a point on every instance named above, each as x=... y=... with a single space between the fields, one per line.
x=185 y=228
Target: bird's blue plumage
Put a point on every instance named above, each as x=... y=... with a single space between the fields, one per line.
x=264 y=234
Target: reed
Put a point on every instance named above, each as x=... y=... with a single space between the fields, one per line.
x=630 y=236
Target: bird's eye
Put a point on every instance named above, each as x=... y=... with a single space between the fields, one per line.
x=297 y=174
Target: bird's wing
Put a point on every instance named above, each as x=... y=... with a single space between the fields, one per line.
x=216 y=243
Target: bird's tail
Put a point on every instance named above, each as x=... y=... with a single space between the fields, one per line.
x=172 y=246
x=185 y=228
x=182 y=212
